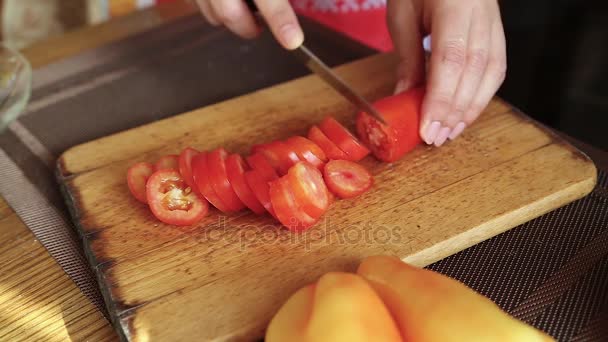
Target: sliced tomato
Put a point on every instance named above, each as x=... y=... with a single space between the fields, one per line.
x=235 y=168
x=168 y=162
x=137 y=176
x=185 y=165
x=332 y=151
x=286 y=207
x=258 y=183
x=172 y=201
x=402 y=114
x=200 y=173
x=347 y=179
x=258 y=161
x=307 y=151
x=279 y=155
x=309 y=189
x=343 y=139
x=216 y=163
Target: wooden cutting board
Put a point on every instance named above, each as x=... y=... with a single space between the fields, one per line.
x=224 y=278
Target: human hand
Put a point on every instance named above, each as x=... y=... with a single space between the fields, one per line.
x=467 y=63
x=236 y=16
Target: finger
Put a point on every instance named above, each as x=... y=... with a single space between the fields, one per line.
x=236 y=16
x=494 y=75
x=476 y=63
x=449 y=32
x=282 y=21
x=405 y=30
x=208 y=12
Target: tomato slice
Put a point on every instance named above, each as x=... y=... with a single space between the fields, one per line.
x=235 y=169
x=258 y=161
x=168 y=162
x=286 y=207
x=332 y=151
x=309 y=189
x=347 y=179
x=258 y=183
x=172 y=201
x=200 y=173
x=280 y=156
x=185 y=165
x=307 y=151
x=343 y=139
x=402 y=114
x=137 y=176
x=216 y=163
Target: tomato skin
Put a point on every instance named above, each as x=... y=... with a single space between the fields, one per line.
x=286 y=208
x=236 y=168
x=309 y=189
x=137 y=176
x=347 y=179
x=258 y=161
x=185 y=166
x=332 y=151
x=168 y=162
x=258 y=183
x=172 y=201
x=402 y=114
x=200 y=174
x=308 y=151
x=280 y=156
x=343 y=139
x=216 y=162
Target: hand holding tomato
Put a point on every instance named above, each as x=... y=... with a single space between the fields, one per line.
x=389 y=300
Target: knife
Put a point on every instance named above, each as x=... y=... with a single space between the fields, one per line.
x=316 y=65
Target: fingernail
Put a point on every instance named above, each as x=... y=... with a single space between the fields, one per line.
x=401 y=86
x=442 y=136
x=457 y=130
x=291 y=36
x=431 y=132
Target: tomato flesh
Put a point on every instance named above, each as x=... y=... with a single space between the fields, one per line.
x=347 y=142
x=200 y=172
x=168 y=162
x=258 y=161
x=401 y=134
x=185 y=165
x=307 y=151
x=137 y=176
x=216 y=162
x=258 y=183
x=286 y=207
x=309 y=189
x=172 y=201
x=235 y=169
x=280 y=156
x=332 y=151
x=347 y=179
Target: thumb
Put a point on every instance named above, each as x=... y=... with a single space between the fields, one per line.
x=403 y=20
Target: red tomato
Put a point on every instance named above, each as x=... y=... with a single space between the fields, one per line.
x=257 y=161
x=137 y=176
x=307 y=151
x=332 y=151
x=172 y=201
x=235 y=168
x=201 y=179
x=216 y=164
x=169 y=162
x=347 y=179
x=286 y=208
x=185 y=165
x=280 y=156
x=309 y=189
x=402 y=114
x=258 y=183
x=343 y=139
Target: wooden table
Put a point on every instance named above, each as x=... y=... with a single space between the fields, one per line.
x=38 y=301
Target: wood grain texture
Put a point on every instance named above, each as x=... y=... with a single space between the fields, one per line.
x=224 y=278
